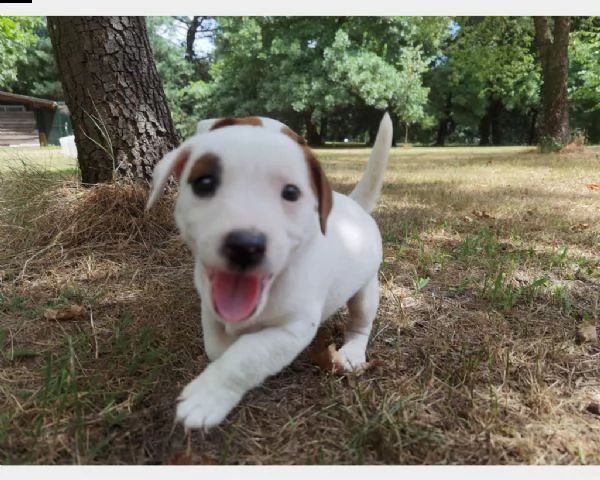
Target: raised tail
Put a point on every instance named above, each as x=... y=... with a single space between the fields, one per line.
x=367 y=191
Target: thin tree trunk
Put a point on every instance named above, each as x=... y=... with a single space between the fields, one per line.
x=312 y=135
x=553 y=46
x=531 y=137
x=485 y=129
x=121 y=121
x=323 y=129
x=495 y=110
x=190 y=39
x=445 y=123
x=442 y=132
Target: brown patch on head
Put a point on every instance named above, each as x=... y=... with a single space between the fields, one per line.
x=228 y=121
x=318 y=180
x=182 y=158
x=293 y=135
x=321 y=186
x=207 y=164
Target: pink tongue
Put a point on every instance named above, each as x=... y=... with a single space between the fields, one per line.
x=235 y=295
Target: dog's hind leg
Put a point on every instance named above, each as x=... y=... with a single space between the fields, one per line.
x=363 y=309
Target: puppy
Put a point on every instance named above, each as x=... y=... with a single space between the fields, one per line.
x=276 y=253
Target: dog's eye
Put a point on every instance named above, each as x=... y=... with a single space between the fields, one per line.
x=290 y=192
x=205 y=186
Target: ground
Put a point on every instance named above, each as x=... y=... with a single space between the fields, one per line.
x=485 y=336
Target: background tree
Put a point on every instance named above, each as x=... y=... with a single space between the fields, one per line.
x=114 y=93
x=450 y=79
x=552 y=39
x=317 y=74
x=16 y=35
x=584 y=77
x=36 y=67
x=185 y=87
x=492 y=74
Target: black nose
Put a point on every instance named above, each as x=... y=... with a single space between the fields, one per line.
x=244 y=248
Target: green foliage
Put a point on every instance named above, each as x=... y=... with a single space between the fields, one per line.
x=16 y=35
x=37 y=73
x=584 y=52
x=186 y=96
x=305 y=69
x=493 y=58
x=334 y=75
x=584 y=80
x=377 y=82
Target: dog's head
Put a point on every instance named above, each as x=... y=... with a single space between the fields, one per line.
x=251 y=193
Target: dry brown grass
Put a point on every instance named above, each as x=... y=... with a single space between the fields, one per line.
x=491 y=265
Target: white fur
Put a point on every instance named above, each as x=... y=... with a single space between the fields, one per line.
x=313 y=275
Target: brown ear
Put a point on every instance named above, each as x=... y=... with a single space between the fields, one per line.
x=228 y=121
x=321 y=187
x=318 y=179
x=172 y=163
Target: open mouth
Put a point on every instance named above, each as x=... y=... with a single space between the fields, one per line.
x=236 y=296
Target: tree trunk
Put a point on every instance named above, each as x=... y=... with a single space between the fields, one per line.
x=121 y=121
x=532 y=135
x=495 y=110
x=485 y=129
x=312 y=135
x=445 y=123
x=190 y=40
x=323 y=129
x=442 y=132
x=553 y=47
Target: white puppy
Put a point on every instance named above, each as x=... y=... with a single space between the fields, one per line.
x=276 y=253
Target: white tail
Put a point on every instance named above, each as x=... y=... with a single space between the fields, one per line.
x=367 y=191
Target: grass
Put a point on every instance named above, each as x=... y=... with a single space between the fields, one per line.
x=47 y=159
x=492 y=263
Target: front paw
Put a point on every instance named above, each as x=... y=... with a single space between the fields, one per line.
x=350 y=358
x=205 y=403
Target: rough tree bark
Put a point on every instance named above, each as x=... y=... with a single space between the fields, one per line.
x=121 y=120
x=552 y=39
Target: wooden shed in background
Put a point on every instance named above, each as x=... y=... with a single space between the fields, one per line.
x=24 y=120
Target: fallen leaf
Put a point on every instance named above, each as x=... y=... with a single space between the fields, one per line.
x=325 y=355
x=593 y=408
x=434 y=269
x=587 y=334
x=61 y=314
x=191 y=459
x=318 y=352
x=593 y=186
x=579 y=227
x=480 y=214
x=408 y=302
x=467 y=219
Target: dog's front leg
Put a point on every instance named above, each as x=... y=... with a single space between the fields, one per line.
x=216 y=339
x=252 y=358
